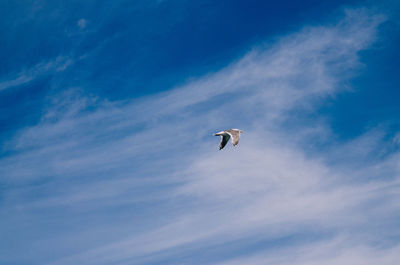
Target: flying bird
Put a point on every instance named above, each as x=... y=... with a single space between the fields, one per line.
x=225 y=135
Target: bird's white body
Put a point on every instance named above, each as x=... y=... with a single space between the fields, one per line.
x=225 y=135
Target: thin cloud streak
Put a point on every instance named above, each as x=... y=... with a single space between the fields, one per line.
x=335 y=251
x=58 y=64
x=158 y=152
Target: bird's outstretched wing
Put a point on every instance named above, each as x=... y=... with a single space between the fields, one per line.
x=235 y=136
x=224 y=140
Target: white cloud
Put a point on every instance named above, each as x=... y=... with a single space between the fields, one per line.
x=82 y=23
x=336 y=251
x=158 y=151
x=396 y=139
x=58 y=64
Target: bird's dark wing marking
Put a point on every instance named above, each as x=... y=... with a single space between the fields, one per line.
x=224 y=140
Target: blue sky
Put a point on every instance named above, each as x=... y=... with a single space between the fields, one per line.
x=107 y=118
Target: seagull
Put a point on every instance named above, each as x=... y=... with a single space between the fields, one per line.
x=234 y=133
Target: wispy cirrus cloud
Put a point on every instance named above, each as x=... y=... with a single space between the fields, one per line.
x=82 y=23
x=39 y=70
x=340 y=250
x=142 y=182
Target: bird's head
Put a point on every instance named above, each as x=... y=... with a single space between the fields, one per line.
x=219 y=133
